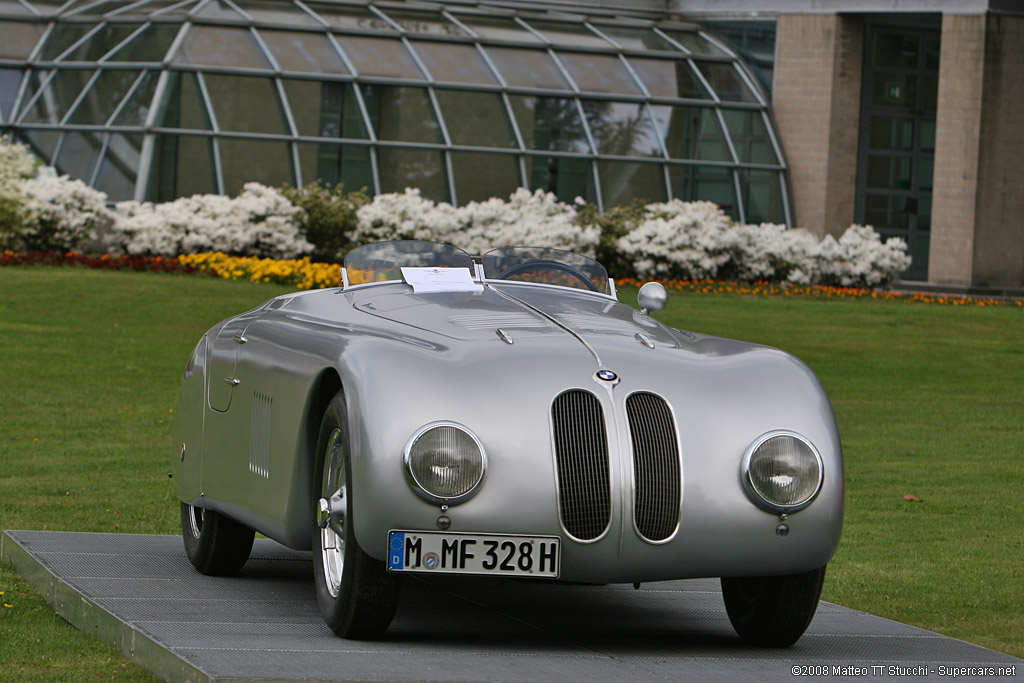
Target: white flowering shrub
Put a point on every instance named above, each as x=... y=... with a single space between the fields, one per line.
x=696 y=241
x=16 y=164
x=525 y=219
x=258 y=222
x=61 y=214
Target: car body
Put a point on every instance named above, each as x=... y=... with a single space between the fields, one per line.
x=499 y=407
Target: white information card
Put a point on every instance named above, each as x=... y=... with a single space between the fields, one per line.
x=425 y=280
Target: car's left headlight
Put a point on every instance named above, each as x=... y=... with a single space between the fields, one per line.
x=445 y=462
x=782 y=471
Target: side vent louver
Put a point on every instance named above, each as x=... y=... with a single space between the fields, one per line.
x=581 y=451
x=259 y=435
x=656 y=463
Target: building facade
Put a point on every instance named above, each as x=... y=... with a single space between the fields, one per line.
x=905 y=116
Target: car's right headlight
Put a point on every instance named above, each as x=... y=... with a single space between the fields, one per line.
x=782 y=472
x=445 y=462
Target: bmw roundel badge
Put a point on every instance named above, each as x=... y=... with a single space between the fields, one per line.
x=607 y=375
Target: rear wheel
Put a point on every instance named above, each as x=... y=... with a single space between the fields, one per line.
x=215 y=544
x=357 y=596
x=772 y=611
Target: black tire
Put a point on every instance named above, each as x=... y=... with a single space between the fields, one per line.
x=216 y=545
x=772 y=611
x=357 y=595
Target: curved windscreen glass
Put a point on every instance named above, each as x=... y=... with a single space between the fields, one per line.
x=385 y=260
x=546 y=266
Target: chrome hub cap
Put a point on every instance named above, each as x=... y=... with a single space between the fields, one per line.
x=331 y=513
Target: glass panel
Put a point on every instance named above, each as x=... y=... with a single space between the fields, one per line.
x=599 y=73
x=621 y=128
x=930 y=91
x=924 y=213
x=749 y=136
x=172 y=10
x=52 y=105
x=636 y=38
x=498 y=28
x=754 y=41
x=385 y=57
x=454 y=62
x=305 y=52
x=894 y=90
x=10 y=81
x=475 y=118
x=221 y=46
x=43 y=143
x=422 y=168
x=349 y=17
x=479 y=177
x=149 y=46
x=694 y=42
x=669 y=78
x=925 y=171
x=48 y=7
x=623 y=182
x=886 y=211
x=218 y=9
x=551 y=124
x=541 y=264
x=246 y=103
x=136 y=110
x=120 y=167
x=12 y=7
x=18 y=39
x=423 y=23
x=888 y=172
x=183 y=107
x=401 y=113
x=333 y=164
x=896 y=50
x=705 y=183
x=931 y=53
x=101 y=42
x=726 y=81
x=762 y=197
x=567 y=178
x=102 y=99
x=568 y=34
x=78 y=154
x=61 y=38
x=260 y=161
x=327 y=110
x=277 y=13
x=384 y=261
x=889 y=132
x=528 y=68
x=927 y=136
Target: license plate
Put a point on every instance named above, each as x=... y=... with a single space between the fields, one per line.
x=492 y=554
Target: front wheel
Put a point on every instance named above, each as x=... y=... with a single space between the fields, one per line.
x=216 y=545
x=357 y=596
x=772 y=611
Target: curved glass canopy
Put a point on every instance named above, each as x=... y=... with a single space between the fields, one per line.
x=157 y=99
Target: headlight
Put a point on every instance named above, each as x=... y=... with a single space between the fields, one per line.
x=782 y=472
x=445 y=462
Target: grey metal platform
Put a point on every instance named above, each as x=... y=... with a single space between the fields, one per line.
x=141 y=595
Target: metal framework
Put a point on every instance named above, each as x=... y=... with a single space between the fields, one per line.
x=153 y=99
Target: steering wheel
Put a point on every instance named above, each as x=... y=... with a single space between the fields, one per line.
x=552 y=265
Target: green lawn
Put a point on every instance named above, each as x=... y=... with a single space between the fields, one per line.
x=928 y=399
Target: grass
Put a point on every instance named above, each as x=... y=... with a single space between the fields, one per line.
x=928 y=400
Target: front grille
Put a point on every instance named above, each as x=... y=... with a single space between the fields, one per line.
x=656 y=463
x=581 y=452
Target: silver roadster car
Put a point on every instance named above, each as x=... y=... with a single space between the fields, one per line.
x=504 y=415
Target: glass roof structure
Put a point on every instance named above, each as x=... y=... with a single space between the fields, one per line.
x=157 y=99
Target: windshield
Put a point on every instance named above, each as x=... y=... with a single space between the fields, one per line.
x=385 y=260
x=546 y=266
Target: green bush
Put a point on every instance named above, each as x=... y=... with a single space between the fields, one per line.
x=613 y=223
x=329 y=217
